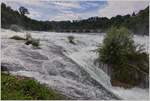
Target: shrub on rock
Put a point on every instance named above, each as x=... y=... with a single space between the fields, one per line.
x=127 y=61
x=71 y=39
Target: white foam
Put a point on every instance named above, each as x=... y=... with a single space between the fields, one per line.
x=82 y=53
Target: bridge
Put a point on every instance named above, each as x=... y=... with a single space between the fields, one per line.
x=80 y=30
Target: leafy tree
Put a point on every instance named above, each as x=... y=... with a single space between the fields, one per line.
x=117 y=43
x=129 y=63
x=23 y=10
x=133 y=14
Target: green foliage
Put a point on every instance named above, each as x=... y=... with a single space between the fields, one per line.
x=116 y=44
x=23 y=11
x=127 y=60
x=139 y=60
x=29 y=40
x=10 y=17
x=20 y=88
x=139 y=23
x=71 y=39
x=16 y=37
x=35 y=43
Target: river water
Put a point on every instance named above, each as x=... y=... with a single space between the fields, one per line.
x=63 y=66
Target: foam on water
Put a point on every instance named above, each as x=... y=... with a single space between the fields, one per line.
x=65 y=67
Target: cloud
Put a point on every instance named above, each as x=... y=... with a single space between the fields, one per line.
x=35 y=14
x=122 y=8
x=29 y=2
x=66 y=16
x=54 y=9
x=75 y=9
x=67 y=4
x=63 y=7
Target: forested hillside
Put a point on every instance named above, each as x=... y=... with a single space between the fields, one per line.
x=137 y=23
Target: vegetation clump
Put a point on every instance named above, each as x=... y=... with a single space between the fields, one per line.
x=23 y=88
x=16 y=37
x=129 y=63
x=71 y=39
x=28 y=40
x=35 y=42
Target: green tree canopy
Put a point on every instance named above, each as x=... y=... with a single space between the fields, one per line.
x=128 y=61
x=23 y=10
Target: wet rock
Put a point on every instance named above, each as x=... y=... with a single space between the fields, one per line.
x=4 y=68
x=51 y=69
x=32 y=64
x=69 y=74
x=33 y=54
x=11 y=66
x=59 y=64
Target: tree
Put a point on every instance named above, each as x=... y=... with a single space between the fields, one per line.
x=23 y=10
x=133 y=14
x=127 y=60
x=116 y=43
x=3 y=5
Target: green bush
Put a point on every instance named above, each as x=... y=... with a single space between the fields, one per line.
x=127 y=60
x=34 y=42
x=22 y=88
x=28 y=40
x=71 y=39
x=17 y=38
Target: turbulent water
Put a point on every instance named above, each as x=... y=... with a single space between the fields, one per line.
x=63 y=66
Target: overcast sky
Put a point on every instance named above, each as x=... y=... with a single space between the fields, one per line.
x=75 y=10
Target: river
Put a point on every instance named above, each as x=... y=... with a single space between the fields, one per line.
x=65 y=67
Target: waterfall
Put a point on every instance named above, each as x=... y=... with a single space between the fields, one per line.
x=66 y=67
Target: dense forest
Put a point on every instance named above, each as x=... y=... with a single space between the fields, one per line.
x=136 y=23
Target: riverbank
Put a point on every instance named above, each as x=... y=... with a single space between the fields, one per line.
x=24 y=88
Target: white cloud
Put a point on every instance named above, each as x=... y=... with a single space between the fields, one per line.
x=66 y=16
x=65 y=12
x=67 y=4
x=15 y=4
x=34 y=13
x=31 y=2
x=62 y=9
x=122 y=8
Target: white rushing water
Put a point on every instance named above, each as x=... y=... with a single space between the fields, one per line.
x=65 y=67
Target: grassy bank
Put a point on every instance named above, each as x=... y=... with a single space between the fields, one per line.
x=22 y=88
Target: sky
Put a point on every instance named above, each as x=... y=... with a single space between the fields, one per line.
x=58 y=10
